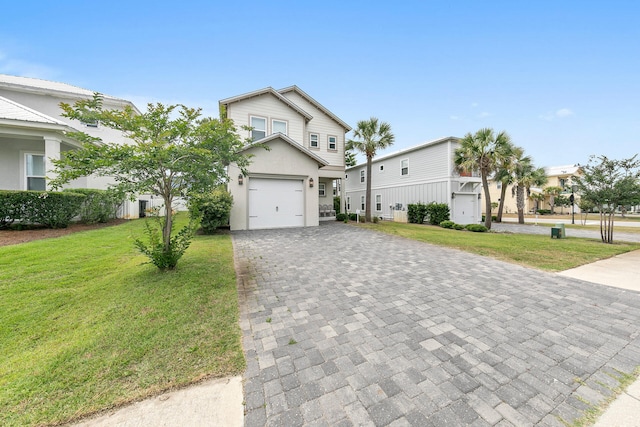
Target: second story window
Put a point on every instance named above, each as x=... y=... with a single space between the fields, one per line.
x=321 y=189
x=279 y=126
x=333 y=143
x=404 y=167
x=313 y=140
x=362 y=176
x=259 y=127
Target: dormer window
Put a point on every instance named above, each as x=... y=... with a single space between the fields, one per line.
x=259 y=127
x=332 y=143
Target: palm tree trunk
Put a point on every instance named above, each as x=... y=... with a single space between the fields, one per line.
x=503 y=193
x=520 y=203
x=487 y=201
x=367 y=212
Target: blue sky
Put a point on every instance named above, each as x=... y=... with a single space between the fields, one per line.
x=561 y=77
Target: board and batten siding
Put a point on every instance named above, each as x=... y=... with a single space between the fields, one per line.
x=269 y=107
x=324 y=126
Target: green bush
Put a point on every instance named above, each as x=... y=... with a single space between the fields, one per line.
x=341 y=217
x=458 y=226
x=544 y=211
x=479 y=228
x=212 y=209
x=49 y=208
x=447 y=224
x=363 y=218
x=353 y=216
x=416 y=213
x=375 y=219
x=437 y=212
x=98 y=205
x=336 y=204
x=161 y=257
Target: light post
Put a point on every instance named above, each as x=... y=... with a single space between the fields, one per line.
x=572 y=200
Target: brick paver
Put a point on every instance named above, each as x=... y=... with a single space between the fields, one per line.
x=344 y=326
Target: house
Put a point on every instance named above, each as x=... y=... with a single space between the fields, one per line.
x=421 y=174
x=557 y=176
x=32 y=133
x=292 y=182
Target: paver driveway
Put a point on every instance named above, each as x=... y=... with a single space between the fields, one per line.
x=344 y=326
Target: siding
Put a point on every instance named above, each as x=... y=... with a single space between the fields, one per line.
x=270 y=107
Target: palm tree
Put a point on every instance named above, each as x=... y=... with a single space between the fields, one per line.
x=478 y=152
x=552 y=192
x=526 y=175
x=505 y=169
x=371 y=135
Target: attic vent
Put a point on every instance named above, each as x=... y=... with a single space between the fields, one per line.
x=90 y=123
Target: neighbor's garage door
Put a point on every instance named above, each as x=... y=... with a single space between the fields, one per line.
x=275 y=203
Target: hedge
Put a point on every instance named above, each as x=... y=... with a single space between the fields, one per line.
x=98 y=205
x=434 y=212
x=213 y=209
x=49 y=208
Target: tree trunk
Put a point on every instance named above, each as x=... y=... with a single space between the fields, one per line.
x=367 y=198
x=520 y=203
x=487 y=201
x=168 y=223
x=503 y=193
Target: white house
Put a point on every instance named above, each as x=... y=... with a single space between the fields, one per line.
x=424 y=173
x=287 y=185
x=32 y=133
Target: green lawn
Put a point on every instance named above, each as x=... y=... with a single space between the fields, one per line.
x=85 y=326
x=536 y=251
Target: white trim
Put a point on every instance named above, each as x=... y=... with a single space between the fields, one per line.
x=251 y=117
x=402 y=167
x=380 y=202
x=363 y=176
x=286 y=126
x=23 y=167
x=322 y=189
x=329 y=143
x=317 y=135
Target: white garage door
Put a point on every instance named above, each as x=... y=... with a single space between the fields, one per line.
x=464 y=209
x=275 y=203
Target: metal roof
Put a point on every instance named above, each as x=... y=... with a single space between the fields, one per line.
x=28 y=84
x=561 y=170
x=12 y=110
x=315 y=103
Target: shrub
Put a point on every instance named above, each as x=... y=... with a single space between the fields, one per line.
x=362 y=218
x=437 y=212
x=336 y=204
x=353 y=216
x=375 y=219
x=458 y=226
x=478 y=228
x=98 y=205
x=416 y=213
x=341 y=217
x=49 y=208
x=212 y=209
x=447 y=224
x=161 y=257
x=544 y=211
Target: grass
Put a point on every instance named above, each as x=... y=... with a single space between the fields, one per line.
x=84 y=326
x=535 y=251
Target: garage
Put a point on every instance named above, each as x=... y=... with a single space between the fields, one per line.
x=275 y=203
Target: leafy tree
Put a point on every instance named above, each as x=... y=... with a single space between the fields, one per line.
x=526 y=175
x=478 y=152
x=174 y=152
x=537 y=197
x=552 y=192
x=371 y=136
x=609 y=184
x=349 y=159
x=506 y=159
x=562 y=201
x=585 y=207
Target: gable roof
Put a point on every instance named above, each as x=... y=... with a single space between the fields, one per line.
x=315 y=103
x=29 y=84
x=267 y=90
x=11 y=110
x=289 y=141
x=405 y=151
x=561 y=170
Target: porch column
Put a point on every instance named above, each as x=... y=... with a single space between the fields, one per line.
x=51 y=151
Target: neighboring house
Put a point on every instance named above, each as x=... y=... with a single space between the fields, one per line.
x=421 y=174
x=292 y=182
x=557 y=176
x=32 y=133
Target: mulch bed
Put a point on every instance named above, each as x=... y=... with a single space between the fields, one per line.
x=13 y=237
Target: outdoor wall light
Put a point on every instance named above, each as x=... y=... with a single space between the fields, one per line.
x=310 y=182
x=479 y=196
x=453 y=195
x=240 y=179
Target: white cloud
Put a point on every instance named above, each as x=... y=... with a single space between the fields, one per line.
x=558 y=114
x=18 y=67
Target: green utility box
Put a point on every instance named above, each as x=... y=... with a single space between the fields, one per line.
x=558 y=231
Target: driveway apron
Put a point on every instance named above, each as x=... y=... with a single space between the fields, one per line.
x=344 y=326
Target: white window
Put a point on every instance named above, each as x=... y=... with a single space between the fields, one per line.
x=378 y=202
x=35 y=172
x=321 y=189
x=259 y=128
x=335 y=188
x=279 y=126
x=404 y=167
x=362 y=203
x=313 y=140
x=348 y=203
x=333 y=144
x=362 y=176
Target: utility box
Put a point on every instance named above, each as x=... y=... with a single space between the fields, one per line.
x=558 y=231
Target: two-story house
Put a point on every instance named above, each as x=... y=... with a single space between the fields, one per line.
x=286 y=184
x=32 y=133
x=424 y=173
